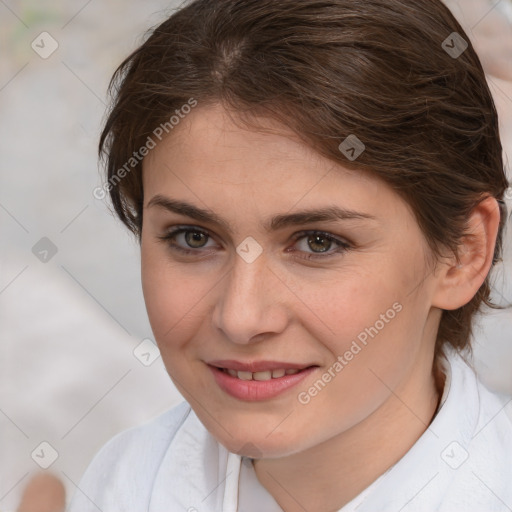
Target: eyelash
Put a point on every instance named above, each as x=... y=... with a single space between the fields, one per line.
x=343 y=246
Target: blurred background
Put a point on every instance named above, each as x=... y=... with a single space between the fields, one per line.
x=77 y=358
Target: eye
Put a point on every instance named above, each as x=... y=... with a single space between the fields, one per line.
x=191 y=240
x=320 y=243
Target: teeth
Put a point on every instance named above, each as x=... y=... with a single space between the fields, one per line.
x=265 y=375
x=262 y=375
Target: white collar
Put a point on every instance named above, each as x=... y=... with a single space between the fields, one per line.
x=206 y=475
x=420 y=479
x=202 y=473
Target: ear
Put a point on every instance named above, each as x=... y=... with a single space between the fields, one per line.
x=459 y=280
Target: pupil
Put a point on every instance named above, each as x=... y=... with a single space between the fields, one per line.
x=192 y=237
x=319 y=242
x=317 y=239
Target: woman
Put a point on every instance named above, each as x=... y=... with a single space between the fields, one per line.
x=317 y=188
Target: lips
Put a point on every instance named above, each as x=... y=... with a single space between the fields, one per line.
x=258 y=380
x=263 y=375
x=257 y=366
x=259 y=370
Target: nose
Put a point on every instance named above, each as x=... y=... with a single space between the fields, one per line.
x=251 y=303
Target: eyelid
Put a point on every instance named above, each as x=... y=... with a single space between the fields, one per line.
x=343 y=244
x=177 y=230
x=327 y=234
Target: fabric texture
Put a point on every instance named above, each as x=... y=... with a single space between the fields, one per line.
x=462 y=462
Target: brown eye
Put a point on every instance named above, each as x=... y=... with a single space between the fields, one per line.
x=196 y=239
x=317 y=245
x=187 y=240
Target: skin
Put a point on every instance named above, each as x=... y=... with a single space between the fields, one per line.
x=44 y=493
x=493 y=41
x=212 y=304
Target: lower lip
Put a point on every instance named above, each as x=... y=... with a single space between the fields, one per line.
x=257 y=390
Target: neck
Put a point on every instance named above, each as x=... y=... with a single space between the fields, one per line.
x=328 y=476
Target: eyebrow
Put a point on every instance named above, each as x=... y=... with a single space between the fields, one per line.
x=329 y=213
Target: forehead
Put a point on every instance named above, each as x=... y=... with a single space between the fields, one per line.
x=212 y=143
x=212 y=159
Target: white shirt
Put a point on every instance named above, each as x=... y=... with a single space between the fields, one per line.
x=462 y=462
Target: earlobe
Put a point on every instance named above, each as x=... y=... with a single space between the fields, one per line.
x=460 y=279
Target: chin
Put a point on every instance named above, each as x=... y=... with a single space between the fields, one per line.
x=259 y=445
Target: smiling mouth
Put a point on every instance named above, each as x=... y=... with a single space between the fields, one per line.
x=258 y=380
x=263 y=375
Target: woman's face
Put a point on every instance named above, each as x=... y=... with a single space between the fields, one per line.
x=254 y=284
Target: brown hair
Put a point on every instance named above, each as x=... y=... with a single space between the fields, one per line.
x=381 y=70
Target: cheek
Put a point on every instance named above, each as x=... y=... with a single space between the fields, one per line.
x=369 y=357
x=372 y=321
x=352 y=303
x=172 y=299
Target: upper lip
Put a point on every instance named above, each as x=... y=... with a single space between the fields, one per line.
x=257 y=366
